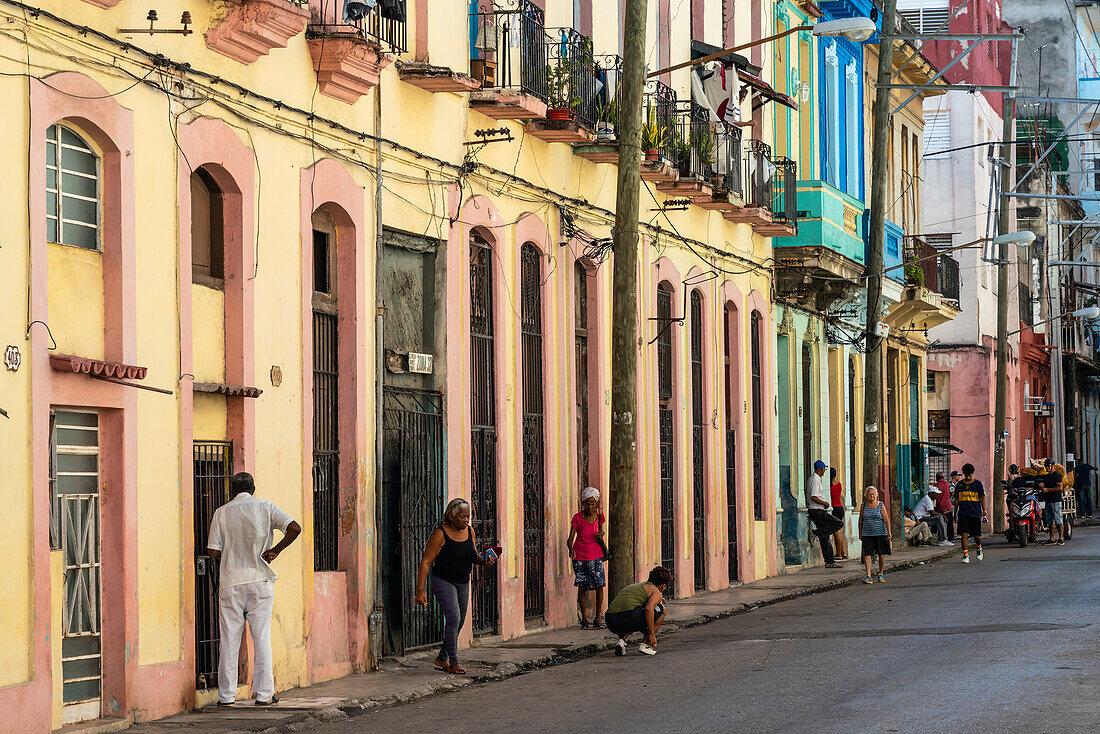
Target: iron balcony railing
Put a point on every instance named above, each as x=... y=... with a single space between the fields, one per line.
x=692 y=141
x=510 y=48
x=1026 y=311
x=947 y=277
x=327 y=19
x=609 y=74
x=760 y=175
x=660 y=121
x=785 y=206
x=728 y=174
x=571 y=80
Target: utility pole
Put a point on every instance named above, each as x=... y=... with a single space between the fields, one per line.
x=624 y=302
x=872 y=366
x=1004 y=226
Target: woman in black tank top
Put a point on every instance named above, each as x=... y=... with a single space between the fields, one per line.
x=449 y=556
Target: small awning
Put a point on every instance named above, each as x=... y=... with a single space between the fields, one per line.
x=939 y=449
x=97 y=367
x=765 y=91
x=233 y=391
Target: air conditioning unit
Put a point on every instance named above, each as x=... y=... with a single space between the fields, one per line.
x=1046 y=410
x=420 y=363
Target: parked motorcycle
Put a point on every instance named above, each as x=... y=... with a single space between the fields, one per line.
x=1023 y=514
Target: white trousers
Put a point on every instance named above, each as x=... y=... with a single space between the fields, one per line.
x=252 y=602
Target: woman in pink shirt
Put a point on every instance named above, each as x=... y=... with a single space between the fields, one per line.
x=586 y=550
x=943 y=504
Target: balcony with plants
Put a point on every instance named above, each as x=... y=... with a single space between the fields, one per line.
x=509 y=59
x=572 y=89
x=771 y=193
x=350 y=44
x=923 y=303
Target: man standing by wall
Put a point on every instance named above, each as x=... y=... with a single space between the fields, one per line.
x=1082 y=474
x=242 y=535
x=820 y=513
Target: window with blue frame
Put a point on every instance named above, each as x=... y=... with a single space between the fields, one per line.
x=841 y=129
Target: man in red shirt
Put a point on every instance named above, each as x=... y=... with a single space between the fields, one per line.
x=943 y=504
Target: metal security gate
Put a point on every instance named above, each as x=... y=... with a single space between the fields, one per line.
x=211 y=470
x=534 y=496
x=326 y=448
x=757 y=418
x=698 y=437
x=580 y=335
x=483 y=441
x=74 y=474
x=412 y=480
x=807 y=411
x=731 y=454
x=665 y=432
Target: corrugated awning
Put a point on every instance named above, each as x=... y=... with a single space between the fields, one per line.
x=233 y=391
x=765 y=91
x=97 y=367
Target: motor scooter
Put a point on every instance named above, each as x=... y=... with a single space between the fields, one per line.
x=1023 y=514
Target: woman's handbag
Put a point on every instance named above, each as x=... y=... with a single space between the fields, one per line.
x=603 y=545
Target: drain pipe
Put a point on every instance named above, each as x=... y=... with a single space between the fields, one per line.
x=377 y=614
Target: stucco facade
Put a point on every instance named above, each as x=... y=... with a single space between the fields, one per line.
x=305 y=154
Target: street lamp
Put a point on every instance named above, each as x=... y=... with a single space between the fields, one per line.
x=1022 y=238
x=1089 y=313
x=857 y=30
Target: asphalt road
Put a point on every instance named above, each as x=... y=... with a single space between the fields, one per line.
x=1006 y=645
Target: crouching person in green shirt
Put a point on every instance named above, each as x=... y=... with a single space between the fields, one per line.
x=638 y=608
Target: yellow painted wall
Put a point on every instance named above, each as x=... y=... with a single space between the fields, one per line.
x=16 y=608
x=76 y=300
x=208 y=345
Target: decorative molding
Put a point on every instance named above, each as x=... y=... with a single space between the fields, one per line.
x=830 y=54
x=786 y=323
x=347 y=68
x=251 y=28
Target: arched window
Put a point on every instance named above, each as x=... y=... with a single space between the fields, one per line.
x=72 y=189
x=757 y=417
x=207 y=229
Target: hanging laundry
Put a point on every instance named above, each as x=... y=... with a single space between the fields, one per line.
x=722 y=86
x=392 y=10
x=699 y=97
x=356 y=10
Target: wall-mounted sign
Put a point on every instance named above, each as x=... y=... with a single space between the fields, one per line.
x=12 y=358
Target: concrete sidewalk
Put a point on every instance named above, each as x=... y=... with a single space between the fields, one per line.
x=411 y=678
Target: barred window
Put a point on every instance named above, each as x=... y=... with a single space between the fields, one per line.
x=72 y=189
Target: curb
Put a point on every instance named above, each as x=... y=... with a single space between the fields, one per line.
x=355 y=707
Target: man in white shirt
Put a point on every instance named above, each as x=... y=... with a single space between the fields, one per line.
x=242 y=536
x=820 y=513
x=926 y=512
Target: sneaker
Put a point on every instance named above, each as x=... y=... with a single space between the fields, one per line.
x=966 y=558
x=945 y=544
x=867 y=580
x=832 y=565
x=1060 y=542
x=646 y=649
x=881 y=578
x=620 y=647
x=226 y=703
x=980 y=554
x=274 y=699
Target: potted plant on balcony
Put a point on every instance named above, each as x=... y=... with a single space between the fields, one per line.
x=607 y=117
x=913 y=274
x=559 y=88
x=654 y=137
x=706 y=146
